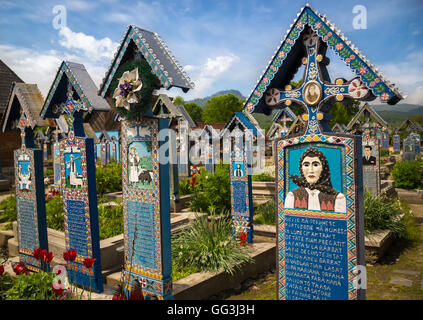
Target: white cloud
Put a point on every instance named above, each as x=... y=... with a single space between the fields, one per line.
x=406 y=75
x=40 y=67
x=211 y=71
x=90 y=47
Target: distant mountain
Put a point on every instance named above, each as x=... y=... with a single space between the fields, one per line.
x=401 y=107
x=202 y=101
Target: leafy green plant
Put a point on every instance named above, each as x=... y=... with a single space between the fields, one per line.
x=48 y=172
x=216 y=192
x=408 y=174
x=209 y=246
x=266 y=213
x=54 y=214
x=110 y=219
x=6 y=282
x=109 y=178
x=383 y=214
x=262 y=177
x=384 y=153
x=9 y=214
x=34 y=286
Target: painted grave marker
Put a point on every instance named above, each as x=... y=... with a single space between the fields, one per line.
x=320 y=241
x=143 y=61
x=22 y=112
x=73 y=93
x=239 y=136
x=397 y=143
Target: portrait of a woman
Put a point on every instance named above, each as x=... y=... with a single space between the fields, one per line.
x=315 y=191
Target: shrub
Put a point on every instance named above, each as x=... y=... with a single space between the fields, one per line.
x=266 y=213
x=262 y=177
x=54 y=214
x=49 y=172
x=194 y=183
x=109 y=178
x=9 y=214
x=217 y=192
x=34 y=286
x=209 y=246
x=6 y=282
x=384 y=153
x=110 y=219
x=383 y=214
x=408 y=174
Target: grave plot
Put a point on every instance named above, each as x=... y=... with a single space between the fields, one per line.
x=320 y=241
x=73 y=93
x=141 y=65
x=22 y=113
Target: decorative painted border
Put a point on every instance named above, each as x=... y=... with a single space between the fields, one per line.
x=149 y=55
x=64 y=69
x=337 y=42
x=349 y=163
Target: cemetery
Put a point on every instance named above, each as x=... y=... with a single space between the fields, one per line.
x=116 y=191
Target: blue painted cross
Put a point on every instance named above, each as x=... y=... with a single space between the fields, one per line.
x=71 y=107
x=315 y=89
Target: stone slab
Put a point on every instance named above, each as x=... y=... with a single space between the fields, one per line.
x=401 y=282
x=4 y=185
x=202 y=285
x=376 y=244
x=408 y=272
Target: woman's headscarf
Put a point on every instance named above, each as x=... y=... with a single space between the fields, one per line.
x=323 y=184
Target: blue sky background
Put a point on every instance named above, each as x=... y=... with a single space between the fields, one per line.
x=221 y=44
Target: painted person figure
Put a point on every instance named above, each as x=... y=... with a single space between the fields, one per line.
x=315 y=191
x=133 y=159
x=368 y=159
x=238 y=171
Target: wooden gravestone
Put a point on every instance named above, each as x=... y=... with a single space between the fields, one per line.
x=22 y=112
x=396 y=143
x=209 y=148
x=320 y=231
x=417 y=146
x=370 y=126
x=145 y=166
x=73 y=93
x=242 y=135
x=409 y=149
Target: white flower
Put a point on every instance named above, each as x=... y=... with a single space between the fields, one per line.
x=125 y=91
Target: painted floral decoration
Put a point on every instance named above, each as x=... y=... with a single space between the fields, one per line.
x=125 y=93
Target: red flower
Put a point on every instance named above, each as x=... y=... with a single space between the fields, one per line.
x=47 y=256
x=59 y=291
x=242 y=237
x=19 y=268
x=70 y=255
x=1 y=270
x=38 y=253
x=88 y=262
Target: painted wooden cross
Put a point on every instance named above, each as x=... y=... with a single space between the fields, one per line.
x=285 y=120
x=70 y=107
x=315 y=89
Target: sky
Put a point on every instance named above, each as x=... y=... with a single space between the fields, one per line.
x=220 y=44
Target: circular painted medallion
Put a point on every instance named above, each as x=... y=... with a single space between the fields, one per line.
x=312 y=93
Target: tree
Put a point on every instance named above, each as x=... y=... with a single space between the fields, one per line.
x=194 y=111
x=178 y=101
x=342 y=113
x=220 y=109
